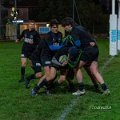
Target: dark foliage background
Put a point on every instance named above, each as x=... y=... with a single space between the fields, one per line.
x=93 y=14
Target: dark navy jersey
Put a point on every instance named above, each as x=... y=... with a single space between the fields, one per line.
x=81 y=34
x=36 y=55
x=54 y=40
x=30 y=36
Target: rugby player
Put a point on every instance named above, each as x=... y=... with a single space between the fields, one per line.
x=64 y=70
x=89 y=55
x=31 y=39
x=36 y=63
x=53 y=42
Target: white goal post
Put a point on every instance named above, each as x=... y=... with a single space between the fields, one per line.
x=113 y=32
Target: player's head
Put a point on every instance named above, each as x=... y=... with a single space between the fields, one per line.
x=54 y=25
x=68 y=23
x=31 y=25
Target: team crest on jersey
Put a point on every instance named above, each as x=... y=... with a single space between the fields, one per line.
x=31 y=36
x=22 y=55
x=38 y=64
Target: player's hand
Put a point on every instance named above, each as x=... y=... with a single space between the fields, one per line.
x=31 y=42
x=92 y=43
x=17 y=40
x=64 y=63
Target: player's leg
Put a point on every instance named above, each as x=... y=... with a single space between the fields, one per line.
x=61 y=79
x=70 y=77
x=37 y=73
x=24 y=55
x=31 y=64
x=83 y=61
x=23 y=66
x=46 y=63
x=49 y=72
x=63 y=73
x=93 y=79
x=98 y=76
x=79 y=78
x=44 y=81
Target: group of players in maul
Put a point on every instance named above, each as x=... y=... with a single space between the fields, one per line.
x=64 y=54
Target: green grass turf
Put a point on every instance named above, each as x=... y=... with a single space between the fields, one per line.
x=17 y=104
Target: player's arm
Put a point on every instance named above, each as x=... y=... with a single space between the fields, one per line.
x=56 y=62
x=20 y=37
x=61 y=36
x=60 y=58
x=55 y=59
x=88 y=35
x=37 y=40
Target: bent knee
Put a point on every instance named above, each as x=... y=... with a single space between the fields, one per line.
x=38 y=75
x=23 y=64
x=62 y=79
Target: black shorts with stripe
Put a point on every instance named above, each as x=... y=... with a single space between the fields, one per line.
x=27 y=50
x=90 y=54
x=36 y=66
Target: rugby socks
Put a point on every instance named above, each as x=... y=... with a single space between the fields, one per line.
x=22 y=72
x=56 y=83
x=48 y=86
x=44 y=82
x=28 y=79
x=96 y=86
x=81 y=86
x=104 y=87
x=31 y=77
x=71 y=87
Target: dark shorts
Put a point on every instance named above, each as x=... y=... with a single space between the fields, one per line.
x=36 y=66
x=90 y=54
x=63 y=70
x=27 y=51
x=46 y=56
x=46 y=61
x=69 y=72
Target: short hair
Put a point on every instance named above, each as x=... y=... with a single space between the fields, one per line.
x=68 y=21
x=54 y=22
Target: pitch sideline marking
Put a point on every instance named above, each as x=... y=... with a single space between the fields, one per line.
x=74 y=102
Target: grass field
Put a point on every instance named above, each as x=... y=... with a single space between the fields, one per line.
x=17 y=104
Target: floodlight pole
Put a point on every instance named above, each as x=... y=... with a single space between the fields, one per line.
x=73 y=9
x=15 y=18
x=15 y=5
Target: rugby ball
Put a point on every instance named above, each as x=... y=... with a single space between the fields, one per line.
x=63 y=58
